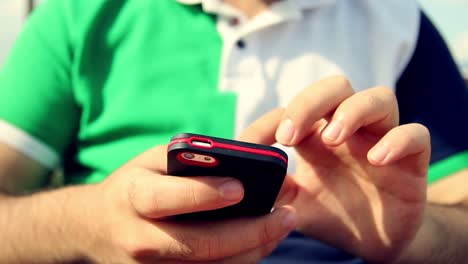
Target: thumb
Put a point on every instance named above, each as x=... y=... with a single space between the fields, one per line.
x=263 y=130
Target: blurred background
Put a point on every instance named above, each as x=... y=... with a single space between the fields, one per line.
x=12 y=16
x=450 y=16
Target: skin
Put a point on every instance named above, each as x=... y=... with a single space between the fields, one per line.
x=444 y=211
x=361 y=179
x=123 y=219
x=360 y=186
x=250 y=8
x=342 y=194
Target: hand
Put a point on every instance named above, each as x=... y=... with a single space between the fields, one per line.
x=134 y=204
x=360 y=182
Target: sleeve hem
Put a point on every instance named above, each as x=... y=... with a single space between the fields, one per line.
x=406 y=59
x=448 y=166
x=28 y=145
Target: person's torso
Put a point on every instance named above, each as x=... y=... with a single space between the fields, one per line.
x=145 y=70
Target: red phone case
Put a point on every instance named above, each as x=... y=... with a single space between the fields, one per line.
x=260 y=168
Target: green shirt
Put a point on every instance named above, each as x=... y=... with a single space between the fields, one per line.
x=114 y=78
x=100 y=81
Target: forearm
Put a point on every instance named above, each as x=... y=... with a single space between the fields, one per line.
x=443 y=237
x=47 y=227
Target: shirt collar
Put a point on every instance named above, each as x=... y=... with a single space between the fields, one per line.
x=301 y=4
x=280 y=11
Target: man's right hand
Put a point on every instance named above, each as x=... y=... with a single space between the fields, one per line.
x=134 y=204
x=126 y=219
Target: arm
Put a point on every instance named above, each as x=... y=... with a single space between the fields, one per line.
x=29 y=174
x=122 y=219
x=432 y=91
x=36 y=223
x=32 y=226
x=108 y=222
x=390 y=222
x=443 y=237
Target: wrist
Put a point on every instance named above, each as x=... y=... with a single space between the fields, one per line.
x=426 y=241
x=83 y=224
x=53 y=227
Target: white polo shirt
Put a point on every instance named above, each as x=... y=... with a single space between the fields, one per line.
x=270 y=58
x=296 y=42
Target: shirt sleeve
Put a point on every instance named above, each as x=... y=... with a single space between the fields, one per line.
x=38 y=113
x=431 y=91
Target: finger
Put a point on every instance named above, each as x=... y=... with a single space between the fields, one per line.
x=154 y=159
x=224 y=239
x=309 y=106
x=262 y=130
x=156 y=196
x=376 y=109
x=401 y=142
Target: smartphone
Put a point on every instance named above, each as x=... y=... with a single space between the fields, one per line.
x=260 y=168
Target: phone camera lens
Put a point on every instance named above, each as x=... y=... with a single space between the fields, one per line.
x=188 y=156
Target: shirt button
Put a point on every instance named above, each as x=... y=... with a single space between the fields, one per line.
x=234 y=21
x=240 y=44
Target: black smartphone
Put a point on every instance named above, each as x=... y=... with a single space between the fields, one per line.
x=260 y=168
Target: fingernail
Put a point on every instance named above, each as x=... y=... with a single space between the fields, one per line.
x=231 y=190
x=289 y=220
x=285 y=132
x=379 y=154
x=333 y=131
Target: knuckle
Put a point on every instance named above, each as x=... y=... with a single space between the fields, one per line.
x=149 y=204
x=192 y=195
x=152 y=202
x=424 y=130
x=184 y=247
x=384 y=89
x=183 y=250
x=178 y=248
x=391 y=96
x=128 y=176
x=144 y=201
x=405 y=135
x=419 y=132
x=386 y=94
x=372 y=100
x=340 y=81
x=265 y=234
x=132 y=191
x=131 y=185
x=212 y=247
